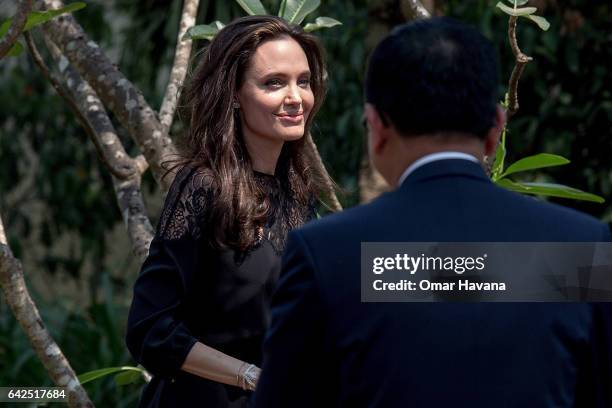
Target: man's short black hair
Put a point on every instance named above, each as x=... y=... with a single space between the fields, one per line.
x=434 y=75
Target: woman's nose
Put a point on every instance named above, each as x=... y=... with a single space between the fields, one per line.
x=293 y=95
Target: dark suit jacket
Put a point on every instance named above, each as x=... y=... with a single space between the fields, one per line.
x=327 y=348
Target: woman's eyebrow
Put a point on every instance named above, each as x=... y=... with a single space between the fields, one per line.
x=274 y=73
x=284 y=74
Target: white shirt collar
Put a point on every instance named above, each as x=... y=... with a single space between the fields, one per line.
x=434 y=157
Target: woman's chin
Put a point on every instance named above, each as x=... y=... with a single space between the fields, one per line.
x=292 y=134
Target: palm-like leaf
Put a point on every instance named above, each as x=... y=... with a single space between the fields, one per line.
x=252 y=7
x=294 y=11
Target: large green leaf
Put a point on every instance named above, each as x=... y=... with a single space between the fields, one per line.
x=38 y=17
x=524 y=11
x=321 y=22
x=252 y=7
x=549 y=189
x=281 y=8
x=296 y=10
x=102 y=372
x=540 y=21
x=128 y=377
x=203 y=31
x=537 y=161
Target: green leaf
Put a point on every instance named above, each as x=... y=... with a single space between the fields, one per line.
x=321 y=22
x=516 y=12
x=537 y=161
x=38 y=17
x=5 y=26
x=549 y=189
x=102 y=372
x=15 y=50
x=500 y=156
x=128 y=377
x=296 y=10
x=281 y=8
x=203 y=31
x=252 y=7
x=518 y=2
x=540 y=21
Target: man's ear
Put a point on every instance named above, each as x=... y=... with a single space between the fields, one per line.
x=378 y=131
x=494 y=133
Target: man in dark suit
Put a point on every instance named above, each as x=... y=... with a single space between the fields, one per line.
x=432 y=114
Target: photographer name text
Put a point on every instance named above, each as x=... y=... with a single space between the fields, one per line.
x=414 y=264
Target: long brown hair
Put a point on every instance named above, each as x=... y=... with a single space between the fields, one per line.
x=214 y=143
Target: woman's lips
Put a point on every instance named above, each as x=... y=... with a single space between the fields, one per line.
x=291 y=118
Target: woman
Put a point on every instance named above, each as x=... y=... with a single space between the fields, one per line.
x=200 y=306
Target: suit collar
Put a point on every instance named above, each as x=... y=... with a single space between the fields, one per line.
x=428 y=158
x=446 y=167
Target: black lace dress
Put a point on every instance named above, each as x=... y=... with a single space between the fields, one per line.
x=188 y=292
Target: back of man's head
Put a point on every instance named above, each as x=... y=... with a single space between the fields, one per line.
x=434 y=76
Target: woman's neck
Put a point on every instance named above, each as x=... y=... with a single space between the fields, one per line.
x=264 y=155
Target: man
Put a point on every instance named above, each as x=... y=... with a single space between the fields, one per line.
x=432 y=115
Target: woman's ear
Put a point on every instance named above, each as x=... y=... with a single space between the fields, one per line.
x=377 y=135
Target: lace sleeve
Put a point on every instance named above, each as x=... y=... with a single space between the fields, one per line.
x=184 y=211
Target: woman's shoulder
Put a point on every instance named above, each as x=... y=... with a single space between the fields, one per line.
x=189 y=178
x=187 y=202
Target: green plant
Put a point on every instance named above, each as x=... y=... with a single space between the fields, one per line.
x=294 y=11
x=526 y=12
x=123 y=375
x=542 y=160
x=36 y=18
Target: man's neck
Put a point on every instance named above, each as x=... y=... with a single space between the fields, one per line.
x=416 y=148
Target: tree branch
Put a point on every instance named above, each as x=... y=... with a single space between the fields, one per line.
x=179 y=68
x=415 y=9
x=127 y=190
x=113 y=89
x=16 y=27
x=26 y=313
x=132 y=207
x=110 y=151
x=519 y=67
x=517 y=71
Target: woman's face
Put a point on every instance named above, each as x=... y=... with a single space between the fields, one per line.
x=275 y=97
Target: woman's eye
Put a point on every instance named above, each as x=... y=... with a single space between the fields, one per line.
x=274 y=83
x=304 y=82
